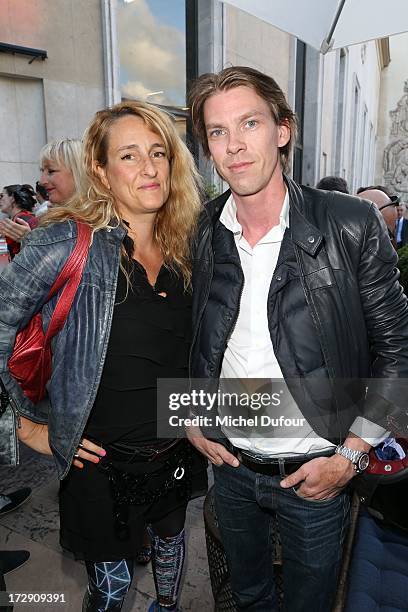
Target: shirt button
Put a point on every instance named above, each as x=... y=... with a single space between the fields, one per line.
x=311 y=239
x=278 y=278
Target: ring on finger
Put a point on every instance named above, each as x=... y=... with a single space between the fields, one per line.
x=76 y=455
x=80 y=445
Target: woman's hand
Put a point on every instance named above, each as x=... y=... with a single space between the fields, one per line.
x=88 y=451
x=16 y=230
x=34 y=435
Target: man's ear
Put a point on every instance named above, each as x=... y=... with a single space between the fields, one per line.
x=101 y=172
x=284 y=134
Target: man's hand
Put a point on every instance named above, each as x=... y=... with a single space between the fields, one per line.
x=216 y=453
x=16 y=230
x=34 y=435
x=321 y=478
x=324 y=477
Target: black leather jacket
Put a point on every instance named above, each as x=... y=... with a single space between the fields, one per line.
x=336 y=312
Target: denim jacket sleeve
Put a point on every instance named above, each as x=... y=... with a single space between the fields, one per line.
x=24 y=287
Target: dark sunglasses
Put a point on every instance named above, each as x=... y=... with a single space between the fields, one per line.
x=394 y=201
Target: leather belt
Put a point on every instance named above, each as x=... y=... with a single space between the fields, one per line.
x=272 y=468
x=268 y=469
x=129 y=454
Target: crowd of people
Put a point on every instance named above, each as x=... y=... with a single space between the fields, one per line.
x=393 y=211
x=269 y=281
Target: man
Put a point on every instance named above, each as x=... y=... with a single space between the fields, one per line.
x=386 y=204
x=401 y=227
x=333 y=183
x=295 y=283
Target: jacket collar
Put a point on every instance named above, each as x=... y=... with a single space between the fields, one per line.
x=304 y=234
x=116 y=230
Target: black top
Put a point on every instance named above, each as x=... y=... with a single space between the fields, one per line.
x=149 y=339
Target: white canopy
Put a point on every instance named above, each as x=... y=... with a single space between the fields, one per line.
x=330 y=24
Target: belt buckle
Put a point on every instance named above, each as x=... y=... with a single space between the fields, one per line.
x=257 y=461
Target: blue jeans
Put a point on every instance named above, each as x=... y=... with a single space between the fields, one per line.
x=312 y=535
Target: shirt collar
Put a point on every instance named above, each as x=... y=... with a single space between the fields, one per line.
x=229 y=219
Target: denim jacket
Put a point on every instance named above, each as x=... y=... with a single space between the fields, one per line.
x=78 y=350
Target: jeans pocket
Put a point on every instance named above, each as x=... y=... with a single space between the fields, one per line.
x=318 y=501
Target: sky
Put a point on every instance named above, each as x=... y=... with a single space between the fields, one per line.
x=151 y=36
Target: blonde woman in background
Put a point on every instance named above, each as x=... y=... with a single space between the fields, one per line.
x=61 y=175
x=61 y=169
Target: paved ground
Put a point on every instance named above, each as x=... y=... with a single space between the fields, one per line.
x=34 y=527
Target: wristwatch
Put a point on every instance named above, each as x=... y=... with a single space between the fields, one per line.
x=359 y=459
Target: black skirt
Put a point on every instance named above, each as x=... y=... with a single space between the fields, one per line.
x=90 y=526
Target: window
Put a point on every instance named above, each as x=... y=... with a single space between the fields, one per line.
x=152 y=48
x=355 y=124
x=339 y=129
x=299 y=108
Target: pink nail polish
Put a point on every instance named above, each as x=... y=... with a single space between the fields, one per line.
x=102 y=452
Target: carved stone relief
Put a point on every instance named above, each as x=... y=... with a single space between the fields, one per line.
x=395 y=162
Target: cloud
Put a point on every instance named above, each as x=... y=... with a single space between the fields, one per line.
x=136 y=89
x=152 y=55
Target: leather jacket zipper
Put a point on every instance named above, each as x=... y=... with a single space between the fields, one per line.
x=316 y=324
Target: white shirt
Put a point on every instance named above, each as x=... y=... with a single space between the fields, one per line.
x=249 y=353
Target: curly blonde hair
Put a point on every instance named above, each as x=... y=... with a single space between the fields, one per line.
x=176 y=221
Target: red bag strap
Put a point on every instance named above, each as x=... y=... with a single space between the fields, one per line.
x=70 y=275
x=74 y=260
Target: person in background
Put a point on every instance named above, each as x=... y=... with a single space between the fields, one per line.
x=17 y=202
x=61 y=162
x=61 y=169
x=333 y=183
x=129 y=325
x=42 y=199
x=401 y=226
x=382 y=188
x=29 y=189
x=386 y=204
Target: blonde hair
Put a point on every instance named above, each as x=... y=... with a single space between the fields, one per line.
x=176 y=221
x=68 y=153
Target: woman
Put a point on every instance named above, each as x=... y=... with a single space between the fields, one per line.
x=17 y=202
x=61 y=175
x=61 y=169
x=129 y=325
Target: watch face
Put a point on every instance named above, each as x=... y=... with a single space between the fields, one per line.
x=363 y=462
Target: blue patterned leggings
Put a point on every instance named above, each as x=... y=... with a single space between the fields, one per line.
x=108 y=582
